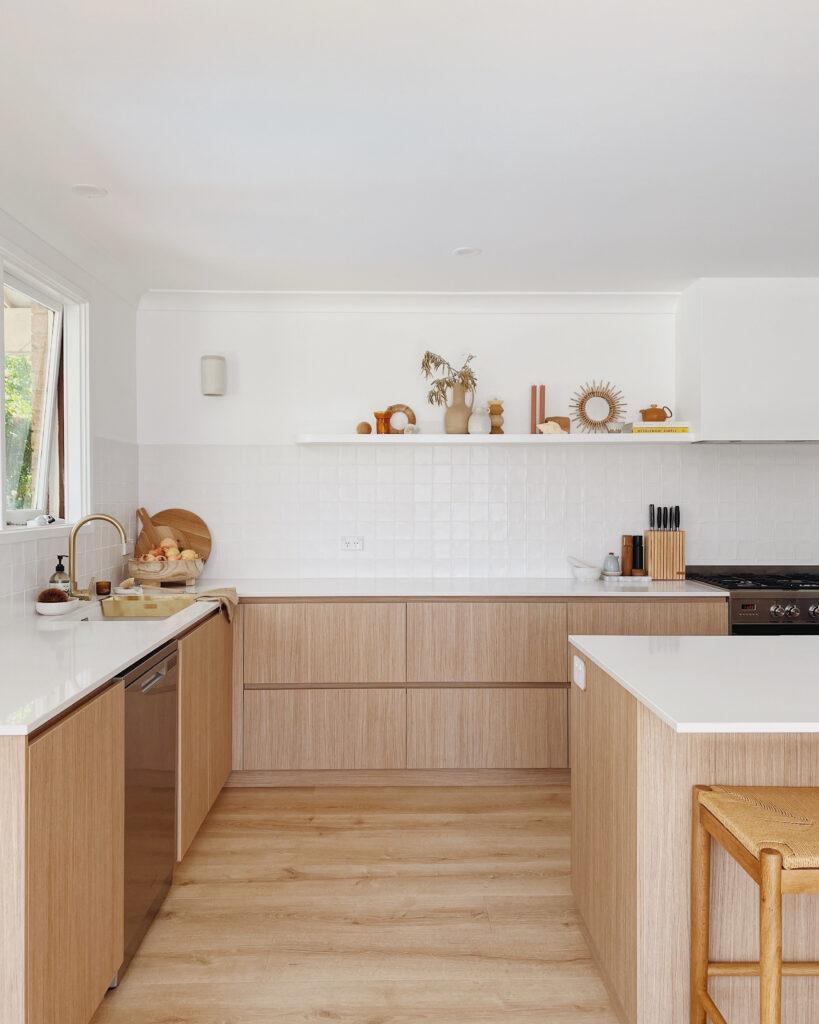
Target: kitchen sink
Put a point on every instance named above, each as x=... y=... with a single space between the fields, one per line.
x=130 y=609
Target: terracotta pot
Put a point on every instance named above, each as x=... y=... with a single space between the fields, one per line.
x=456 y=418
x=654 y=414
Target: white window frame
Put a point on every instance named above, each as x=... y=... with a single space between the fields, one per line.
x=42 y=285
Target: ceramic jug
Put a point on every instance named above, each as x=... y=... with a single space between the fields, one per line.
x=456 y=418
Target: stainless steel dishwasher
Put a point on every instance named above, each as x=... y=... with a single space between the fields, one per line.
x=150 y=790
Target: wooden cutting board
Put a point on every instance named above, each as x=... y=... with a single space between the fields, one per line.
x=186 y=527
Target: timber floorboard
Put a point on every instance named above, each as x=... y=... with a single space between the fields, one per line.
x=370 y=906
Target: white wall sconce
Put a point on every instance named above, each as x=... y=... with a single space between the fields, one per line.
x=214 y=375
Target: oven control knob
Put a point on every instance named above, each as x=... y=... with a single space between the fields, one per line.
x=792 y=611
x=813 y=611
x=777 y=611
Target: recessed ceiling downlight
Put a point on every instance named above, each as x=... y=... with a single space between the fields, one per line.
x=89 y=191
x=467 y=250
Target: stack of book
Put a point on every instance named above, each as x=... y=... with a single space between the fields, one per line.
x=669 y=427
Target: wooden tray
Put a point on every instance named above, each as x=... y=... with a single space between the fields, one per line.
x=185 y=527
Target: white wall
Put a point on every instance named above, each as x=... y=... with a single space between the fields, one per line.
x=335 y=360
x=25 y=565
x=279 y=509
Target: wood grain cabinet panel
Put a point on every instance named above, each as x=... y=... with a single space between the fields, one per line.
x=76 y=785
x=623 y=617
x=486 y=642
x=205 y=723
x=325 y=729
x=689 y=618
x=487 y=728
x=307 y=643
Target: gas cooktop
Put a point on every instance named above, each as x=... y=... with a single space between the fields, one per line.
x=736 y=577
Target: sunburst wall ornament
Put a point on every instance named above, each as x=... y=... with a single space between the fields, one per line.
x=597 y=407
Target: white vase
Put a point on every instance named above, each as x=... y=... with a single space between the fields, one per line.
x=480 y=421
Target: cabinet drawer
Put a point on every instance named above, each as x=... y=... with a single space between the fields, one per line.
x=486 y=642
x=487 y=728
x=293 y=729
x=659 y=617
x=307 y=643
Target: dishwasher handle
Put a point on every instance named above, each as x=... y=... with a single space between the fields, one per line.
x=153 y=680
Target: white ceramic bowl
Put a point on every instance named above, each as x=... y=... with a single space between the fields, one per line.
x=57 y=607
x=585 y=573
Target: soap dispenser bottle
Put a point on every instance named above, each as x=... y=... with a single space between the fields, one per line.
x=60 y=578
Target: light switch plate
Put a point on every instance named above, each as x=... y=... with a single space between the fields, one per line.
x=579 y=672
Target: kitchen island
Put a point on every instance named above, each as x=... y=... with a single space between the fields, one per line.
x=650 y=718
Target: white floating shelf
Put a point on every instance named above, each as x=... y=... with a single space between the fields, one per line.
x=469 y=439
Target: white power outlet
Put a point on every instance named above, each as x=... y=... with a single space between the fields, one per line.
x=352 y=543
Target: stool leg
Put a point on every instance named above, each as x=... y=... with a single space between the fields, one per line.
x=770 y=937
x=700 y=910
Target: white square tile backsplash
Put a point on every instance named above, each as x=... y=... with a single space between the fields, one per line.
x=281 y=510
x=25 y=565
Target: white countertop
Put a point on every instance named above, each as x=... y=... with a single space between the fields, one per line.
x=50 y=664
x=716 y=684
x=464 y=587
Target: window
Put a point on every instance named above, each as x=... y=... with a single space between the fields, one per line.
x=45 y=448
x=34 y=450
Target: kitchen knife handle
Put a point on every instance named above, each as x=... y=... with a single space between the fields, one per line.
x=676 y=517
x=651 y=517
x=665 y=517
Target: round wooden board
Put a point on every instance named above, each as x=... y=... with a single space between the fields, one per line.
x=185 y=527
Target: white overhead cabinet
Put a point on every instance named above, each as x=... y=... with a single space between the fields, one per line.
x=747 y=359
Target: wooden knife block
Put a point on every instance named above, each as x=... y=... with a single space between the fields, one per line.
x=665 y=554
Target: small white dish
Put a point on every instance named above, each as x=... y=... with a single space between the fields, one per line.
x=56 y=607
x=585 y=573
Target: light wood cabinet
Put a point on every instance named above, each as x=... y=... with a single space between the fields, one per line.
x=487 y=727
x=205 y=723
x=304 y=729
x=308 y=644
x=486 y=642
x=689 y=618
x=74 y=861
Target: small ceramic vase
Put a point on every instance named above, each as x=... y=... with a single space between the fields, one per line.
x=456 y=418
x=479 y=421
x=382 y=423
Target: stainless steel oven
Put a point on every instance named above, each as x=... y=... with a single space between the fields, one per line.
x=767 y=600
x=150 y=790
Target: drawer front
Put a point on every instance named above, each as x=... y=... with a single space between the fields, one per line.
x=487 y=728
x=486 y=642
x=689 y=618
x=659 y=617
x=307 y=644
x=301 y=729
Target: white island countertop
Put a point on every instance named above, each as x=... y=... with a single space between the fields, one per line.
x=716 y=684
x=50 y=664
x=459 y=587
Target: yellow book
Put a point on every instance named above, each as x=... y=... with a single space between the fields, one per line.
x=656 y=428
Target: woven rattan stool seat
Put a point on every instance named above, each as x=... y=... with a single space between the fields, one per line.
x=770 y=817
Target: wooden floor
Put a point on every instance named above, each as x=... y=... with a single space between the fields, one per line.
x=370 y=906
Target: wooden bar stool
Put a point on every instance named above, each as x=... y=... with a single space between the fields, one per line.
x=772 y=832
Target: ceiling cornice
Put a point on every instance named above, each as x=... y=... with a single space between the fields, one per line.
x=443 y=303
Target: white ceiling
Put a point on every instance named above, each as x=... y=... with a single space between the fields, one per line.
x=323 y=145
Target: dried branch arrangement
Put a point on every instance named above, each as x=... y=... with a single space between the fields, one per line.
x=433 y=364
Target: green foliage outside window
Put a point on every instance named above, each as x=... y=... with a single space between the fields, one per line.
x=18 y=432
